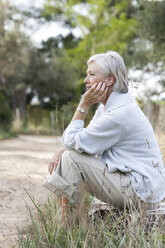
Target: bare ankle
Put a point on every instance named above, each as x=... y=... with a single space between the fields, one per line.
x=64 y=205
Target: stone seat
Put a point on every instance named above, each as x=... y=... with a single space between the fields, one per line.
x=159 y=210
x=154 y=214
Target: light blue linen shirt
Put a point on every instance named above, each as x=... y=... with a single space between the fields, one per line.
x=123 y=138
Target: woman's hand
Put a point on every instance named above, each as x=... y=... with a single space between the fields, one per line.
x=55 y=160
x=97 y=93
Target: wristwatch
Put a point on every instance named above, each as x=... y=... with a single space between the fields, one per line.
x=83 y=111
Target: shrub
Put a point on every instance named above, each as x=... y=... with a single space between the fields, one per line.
x=5 y=114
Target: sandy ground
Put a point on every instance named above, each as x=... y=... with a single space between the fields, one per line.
x=23 y=165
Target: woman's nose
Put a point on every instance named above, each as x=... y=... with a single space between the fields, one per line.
x=86 y=80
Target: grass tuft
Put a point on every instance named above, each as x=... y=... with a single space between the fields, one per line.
x=103 y=229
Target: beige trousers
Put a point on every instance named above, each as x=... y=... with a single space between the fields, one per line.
x=77 y=173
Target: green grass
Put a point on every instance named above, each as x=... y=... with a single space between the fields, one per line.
x=7 y=135
x=115 y=229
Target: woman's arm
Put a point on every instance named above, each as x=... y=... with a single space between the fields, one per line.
x=97 y=93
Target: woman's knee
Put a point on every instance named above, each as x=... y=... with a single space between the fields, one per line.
x=68 y=160
x=71 y=168
x=69 y=155
x=65 y=154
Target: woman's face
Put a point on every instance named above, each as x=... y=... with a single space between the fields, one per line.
x=93 y=76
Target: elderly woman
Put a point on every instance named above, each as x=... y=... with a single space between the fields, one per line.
x=116 y=157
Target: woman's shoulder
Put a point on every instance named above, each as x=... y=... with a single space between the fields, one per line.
x=117 y=100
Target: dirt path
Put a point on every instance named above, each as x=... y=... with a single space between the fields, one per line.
x=23 y=164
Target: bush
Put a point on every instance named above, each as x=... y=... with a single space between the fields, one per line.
x=44 y=121
x=5 y=114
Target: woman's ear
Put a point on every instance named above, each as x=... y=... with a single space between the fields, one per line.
x=111 y=79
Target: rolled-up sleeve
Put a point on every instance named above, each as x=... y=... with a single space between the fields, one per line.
x=97 y=137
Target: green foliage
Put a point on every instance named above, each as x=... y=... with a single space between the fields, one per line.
x=54 y=44
x=8 y=134
x=153 y=27
x=146 y=51
x=5 y=114
x=105 y=26
x=14 y=55
x=14 y=48
x=44 y=121
x=46 y=71
x=51 y=77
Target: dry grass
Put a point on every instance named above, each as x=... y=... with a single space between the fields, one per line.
x=113 y=229
x=160 y=136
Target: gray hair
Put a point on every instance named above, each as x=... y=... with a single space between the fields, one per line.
x=112 y=63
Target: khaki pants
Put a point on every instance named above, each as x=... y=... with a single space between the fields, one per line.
x=77 y=173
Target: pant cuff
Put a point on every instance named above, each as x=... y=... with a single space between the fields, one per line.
x=59 y=186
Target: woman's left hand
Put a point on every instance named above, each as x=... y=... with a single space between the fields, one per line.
x=55 y=160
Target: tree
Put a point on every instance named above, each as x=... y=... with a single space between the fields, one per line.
x=146 y=51
x=46 y=72
x=14 y=49
x=5 y=113
x=153 y=28
x=51 y=76
x=105 y=25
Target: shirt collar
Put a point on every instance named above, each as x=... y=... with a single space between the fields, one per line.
x=117 y=99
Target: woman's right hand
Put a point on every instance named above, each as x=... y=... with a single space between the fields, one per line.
x=96 y=94
x=55 y=160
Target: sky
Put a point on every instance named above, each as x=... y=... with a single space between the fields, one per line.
x=28 y=3
x=44 y=31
